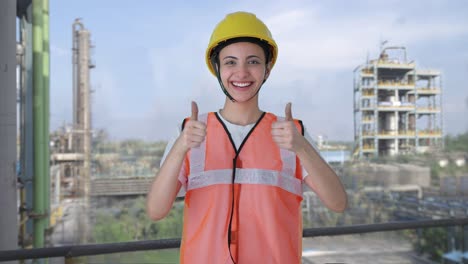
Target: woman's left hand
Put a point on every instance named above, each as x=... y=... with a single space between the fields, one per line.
x=285 y=133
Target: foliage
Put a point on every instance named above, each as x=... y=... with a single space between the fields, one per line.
x=453 y=144
x=435 y=172
x=433 y=242
x=128 y=222
x=430 y=241
x=129 y=158
x=458 y=143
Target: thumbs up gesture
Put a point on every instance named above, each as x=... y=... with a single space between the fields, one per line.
x=285 y=133
x=194 y=131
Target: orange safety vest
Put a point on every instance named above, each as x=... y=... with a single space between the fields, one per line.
x=242 y=206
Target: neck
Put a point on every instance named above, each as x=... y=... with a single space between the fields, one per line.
x=241 y=113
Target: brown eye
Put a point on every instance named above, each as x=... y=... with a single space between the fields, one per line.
x=229 y=62
x=254 y=62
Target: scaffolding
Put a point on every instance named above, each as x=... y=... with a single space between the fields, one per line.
x=397 y=107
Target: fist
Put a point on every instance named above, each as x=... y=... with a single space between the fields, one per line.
x=194 y=131
x=285 y=133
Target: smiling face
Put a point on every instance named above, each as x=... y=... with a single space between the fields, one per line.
x=243 y=69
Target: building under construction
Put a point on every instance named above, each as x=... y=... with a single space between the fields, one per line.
x=397 y=107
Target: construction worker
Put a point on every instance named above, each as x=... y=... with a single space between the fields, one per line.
x=242 y=168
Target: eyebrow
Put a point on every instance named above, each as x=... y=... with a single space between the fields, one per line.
x=248 y=57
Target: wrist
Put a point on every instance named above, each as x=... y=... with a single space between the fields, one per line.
x=179 y=148
x=301 y=147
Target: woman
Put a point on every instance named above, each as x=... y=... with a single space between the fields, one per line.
x=242 y=168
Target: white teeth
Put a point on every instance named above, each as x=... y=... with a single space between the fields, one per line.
x=241 y=84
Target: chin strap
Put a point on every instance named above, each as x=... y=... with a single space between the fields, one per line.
x=218 y=76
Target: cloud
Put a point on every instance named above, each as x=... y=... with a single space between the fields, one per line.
x=289 y=20
x=319 y=46
x=317 y=42
x=318 y=51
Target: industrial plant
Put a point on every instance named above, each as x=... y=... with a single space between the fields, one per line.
x=71 y=147
x=74 y=193
x=397 y=106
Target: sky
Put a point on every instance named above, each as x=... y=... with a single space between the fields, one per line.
x=150 y=65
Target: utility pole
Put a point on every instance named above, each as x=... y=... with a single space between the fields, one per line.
x=8 y=182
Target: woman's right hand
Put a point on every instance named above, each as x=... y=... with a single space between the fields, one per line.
x=194 y=131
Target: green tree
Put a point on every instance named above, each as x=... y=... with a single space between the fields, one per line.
x=457 y=143
x=128 y=222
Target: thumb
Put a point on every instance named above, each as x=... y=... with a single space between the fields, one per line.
x=288 y=113
x=194 y=111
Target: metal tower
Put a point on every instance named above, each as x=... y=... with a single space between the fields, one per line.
x=82 y=101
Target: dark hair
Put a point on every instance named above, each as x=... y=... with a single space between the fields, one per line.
x=263 y=44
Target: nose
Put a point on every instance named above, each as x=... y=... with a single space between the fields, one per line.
x=242 y=71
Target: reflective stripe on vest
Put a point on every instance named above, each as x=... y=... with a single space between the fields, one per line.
x=265 y=199
x=200 y=178
x=246 y=176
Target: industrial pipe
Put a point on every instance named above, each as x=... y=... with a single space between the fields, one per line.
x=39 y=213
x=46 y=80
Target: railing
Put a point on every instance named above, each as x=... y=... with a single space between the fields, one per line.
x=430 y=91
x=428 y=109
x=368 y=93
x=367 y=120
x=432 y=133
x=368 y=148
x=408 y=133
x=394 y=63
x=395 y=83
x=109 y=248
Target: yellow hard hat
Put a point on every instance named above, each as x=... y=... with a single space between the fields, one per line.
x=239 y=25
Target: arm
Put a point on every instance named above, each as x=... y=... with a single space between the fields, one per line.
x=166 y=185
x=321 y=177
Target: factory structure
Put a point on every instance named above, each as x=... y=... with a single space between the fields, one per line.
x=67 y=164
x=397 y=107
x=71 y=146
